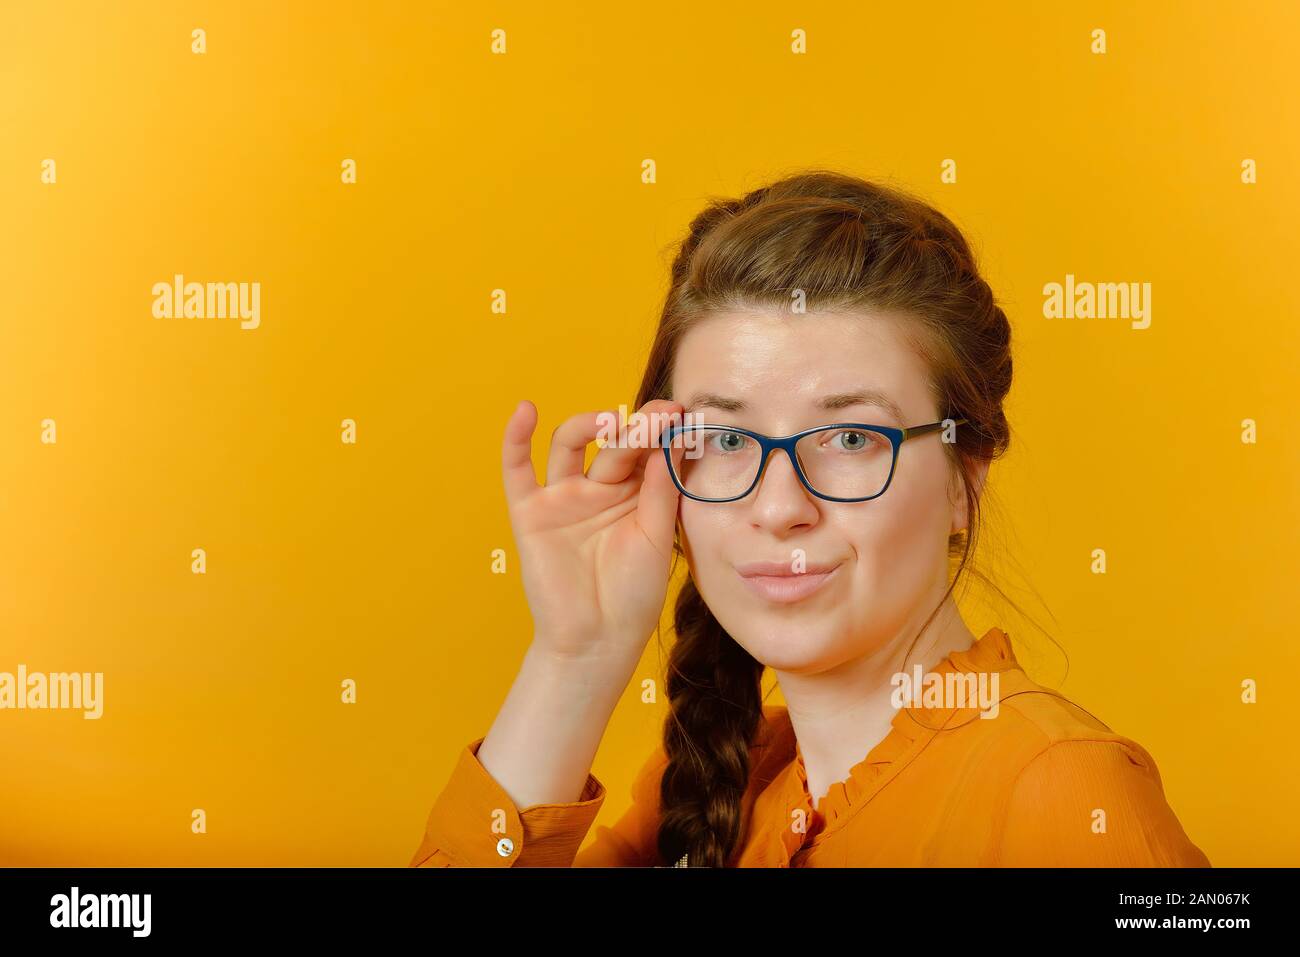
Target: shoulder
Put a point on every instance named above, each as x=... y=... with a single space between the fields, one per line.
x=1056 y=743
x=1085 y=803
x=1032 y=720
x=1082 y=794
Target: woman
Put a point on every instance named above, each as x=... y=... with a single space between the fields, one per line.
x=820 y=300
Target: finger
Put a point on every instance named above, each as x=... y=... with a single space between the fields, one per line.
x=569 y=444
x=517 y=453
x=636 y=442
x=656 y=508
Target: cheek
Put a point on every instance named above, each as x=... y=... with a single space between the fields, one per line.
x=698 y=530
x=704 y=525
x=901 y=543
x=708 y=537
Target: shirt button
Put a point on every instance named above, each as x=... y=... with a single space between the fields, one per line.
x=505 y=847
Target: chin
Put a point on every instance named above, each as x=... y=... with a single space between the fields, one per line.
x=790 y=647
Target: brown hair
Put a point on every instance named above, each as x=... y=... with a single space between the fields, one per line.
x=847 y=244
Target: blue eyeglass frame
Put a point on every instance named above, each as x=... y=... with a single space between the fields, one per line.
x=767 y=443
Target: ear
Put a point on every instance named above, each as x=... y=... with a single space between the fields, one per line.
x=976 y=474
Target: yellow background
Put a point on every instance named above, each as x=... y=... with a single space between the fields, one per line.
x=522 y=172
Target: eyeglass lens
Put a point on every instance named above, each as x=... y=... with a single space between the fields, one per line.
x=841 y=463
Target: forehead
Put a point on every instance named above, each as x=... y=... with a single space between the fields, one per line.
x=777 y=363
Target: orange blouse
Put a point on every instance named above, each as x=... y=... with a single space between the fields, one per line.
x=1042 y=784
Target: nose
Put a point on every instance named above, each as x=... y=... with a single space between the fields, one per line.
x=780 y=502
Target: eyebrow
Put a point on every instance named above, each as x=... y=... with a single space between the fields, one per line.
x=839 y=400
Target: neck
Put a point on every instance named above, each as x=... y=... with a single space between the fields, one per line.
x=839 y=715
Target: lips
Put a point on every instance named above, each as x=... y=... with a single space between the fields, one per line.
x=776 y=582
x=780 y=569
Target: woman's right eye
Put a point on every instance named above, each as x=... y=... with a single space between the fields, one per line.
x=728 y=441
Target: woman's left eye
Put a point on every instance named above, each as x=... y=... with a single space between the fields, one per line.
x=852 y=441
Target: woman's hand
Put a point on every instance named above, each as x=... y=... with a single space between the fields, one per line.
x=595 y=549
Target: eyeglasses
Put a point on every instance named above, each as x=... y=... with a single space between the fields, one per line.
x=844 y=462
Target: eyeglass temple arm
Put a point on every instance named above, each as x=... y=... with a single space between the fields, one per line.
x=932 y=427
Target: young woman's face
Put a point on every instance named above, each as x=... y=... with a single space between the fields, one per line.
x=775 y=375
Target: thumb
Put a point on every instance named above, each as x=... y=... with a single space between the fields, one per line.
x=656 y=508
